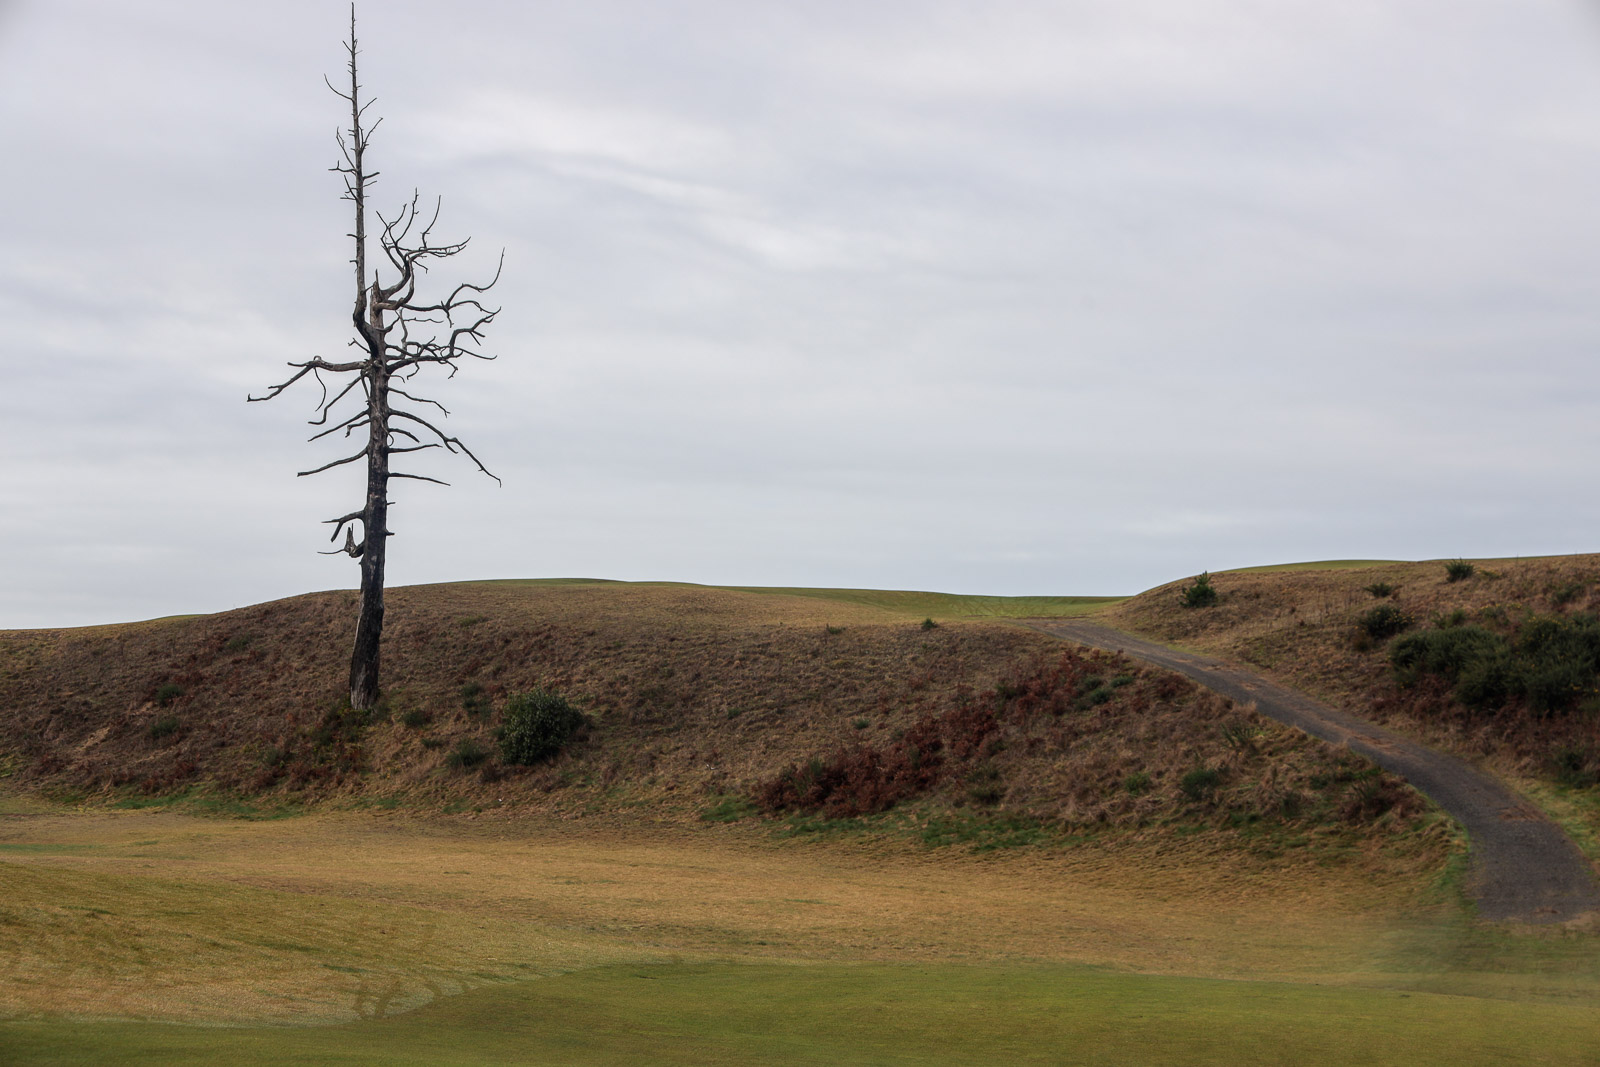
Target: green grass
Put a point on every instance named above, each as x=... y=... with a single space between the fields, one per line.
x=947 y=605
x=220 y=805
x=909 y=603
x=720 y=1013
x=1316 y=565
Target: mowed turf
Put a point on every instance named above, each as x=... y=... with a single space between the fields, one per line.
x=922 y=1014
x=354 y=938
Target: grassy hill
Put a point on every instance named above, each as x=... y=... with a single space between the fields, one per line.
x=830 y=709
x=1496 y=660
x=731 y=862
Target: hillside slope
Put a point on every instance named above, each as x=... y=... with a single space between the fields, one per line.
x=1497 y=663
x=698 y=699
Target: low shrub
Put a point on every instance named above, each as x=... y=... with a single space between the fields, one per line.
x=1383 y=621
x=537 y=726
x=1551 y=665
x=414 y=718
x=167 y=692
x=1136 y=784
x=929 y=624
x=1201 y=594
x=1382 y=589
x=872 y=778
x=1458 y=570
x=165 y=726
x=1200 y=783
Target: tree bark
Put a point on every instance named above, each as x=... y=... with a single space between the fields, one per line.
x=365 y=657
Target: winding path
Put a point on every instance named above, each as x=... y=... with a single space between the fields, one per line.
x=1523 y=867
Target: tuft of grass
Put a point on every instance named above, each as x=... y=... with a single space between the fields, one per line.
x=1458 y=570
x=1382 y=589
x=167 y=692
x=475 y=700
x=469 y=752
x=165 y=726
x=1136 y=784
x=729 y=809
x=929 y=624
x=414 y=718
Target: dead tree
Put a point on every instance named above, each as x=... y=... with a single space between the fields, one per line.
x=398 y=334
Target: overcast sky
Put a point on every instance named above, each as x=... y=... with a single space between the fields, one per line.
x=1043 y=297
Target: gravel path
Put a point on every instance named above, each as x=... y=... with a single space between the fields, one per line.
x=1523 y=867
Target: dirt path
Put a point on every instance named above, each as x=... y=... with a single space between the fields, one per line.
x=1523 y=867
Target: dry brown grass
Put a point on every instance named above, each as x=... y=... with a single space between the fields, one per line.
x=694 y=694
x=160 y=915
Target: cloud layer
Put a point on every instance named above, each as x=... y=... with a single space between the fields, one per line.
x=1012 y=298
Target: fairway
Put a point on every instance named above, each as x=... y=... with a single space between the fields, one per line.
x=393 y=939
x=877 y=1014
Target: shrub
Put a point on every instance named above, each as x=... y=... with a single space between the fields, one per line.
x=469 y=752
x=835 y=629
x=165 y=726
x=1458 y=570
x=1137 y=783
x=537 y=726
x=1382 y=589
x=167 y=692
x=1445 y=652
x=1200 y=783
x=414 y=718
x=239 y=643
x=929 y=624
x=1201 y=594
x=1383 y=621
x=1551 y=666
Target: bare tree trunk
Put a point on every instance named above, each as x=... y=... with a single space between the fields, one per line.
x=400 y=333
x=364 y=659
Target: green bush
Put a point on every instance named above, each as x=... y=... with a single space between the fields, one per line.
x=537 y=726
x=1201 y=594
x=1200 y=782
x=165 y=726
x=1551 y=666
x=1445 y=652
x=1382 y=589
x=167 y=692
x=1458 y=570
x=1383 y=621
x=929 y=624
x=414 y=718
x=1137 y=783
